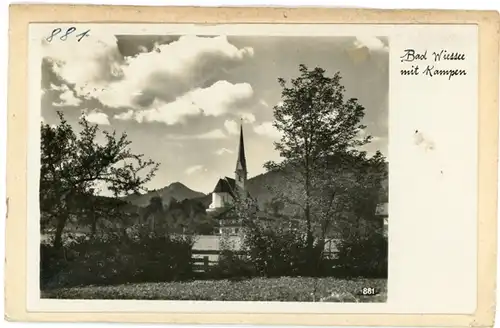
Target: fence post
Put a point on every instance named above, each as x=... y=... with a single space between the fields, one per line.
x=205 y=263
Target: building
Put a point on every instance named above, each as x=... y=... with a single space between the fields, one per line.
x=227 y=190
x=382 y=212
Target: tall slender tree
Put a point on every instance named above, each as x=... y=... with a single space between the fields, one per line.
x=316 y=123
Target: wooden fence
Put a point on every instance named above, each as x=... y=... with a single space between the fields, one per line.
x=202 y=264
x=203 y=259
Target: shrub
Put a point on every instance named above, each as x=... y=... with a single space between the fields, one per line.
x=52 y=263
x=361 y=255
x=232 y=266
x=282 y=251
x=115 y=259
x=162 y=258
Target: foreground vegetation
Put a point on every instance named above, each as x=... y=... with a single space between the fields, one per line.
x=298 y=289
x=148 y=257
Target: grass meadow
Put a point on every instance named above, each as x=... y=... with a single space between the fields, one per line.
x=298 y=289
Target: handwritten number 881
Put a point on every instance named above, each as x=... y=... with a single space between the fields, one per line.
x=64 y=37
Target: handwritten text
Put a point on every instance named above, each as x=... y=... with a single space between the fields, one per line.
x=64 y=34
x=432 y=69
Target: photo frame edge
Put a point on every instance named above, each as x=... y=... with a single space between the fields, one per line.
x=15 y=266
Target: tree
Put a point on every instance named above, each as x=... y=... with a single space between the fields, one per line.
x=350 y=192
x=317 y=123
x=155 y=213
x=103 y=213
x=76 y=167
x=274 y=206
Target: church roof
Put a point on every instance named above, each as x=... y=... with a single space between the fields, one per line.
x=226 y=185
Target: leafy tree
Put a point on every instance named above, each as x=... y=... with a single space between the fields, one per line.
x=317 y=123
x=274 y=206
x=104 y=214
x=349 y=193
x=155 y=213
x=76 y=167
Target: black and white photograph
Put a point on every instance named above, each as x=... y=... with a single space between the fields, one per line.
x=194 y=167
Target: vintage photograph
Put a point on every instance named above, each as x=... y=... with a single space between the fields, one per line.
x=213 y=167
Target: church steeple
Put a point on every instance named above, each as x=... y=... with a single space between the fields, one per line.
x=241 y=163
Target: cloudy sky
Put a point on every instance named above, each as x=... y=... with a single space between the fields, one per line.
x=180 y=98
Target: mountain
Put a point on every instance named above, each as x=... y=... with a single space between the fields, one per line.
x=175 y=191
x=257 y=187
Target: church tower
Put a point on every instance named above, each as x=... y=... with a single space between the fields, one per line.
x=241 y=163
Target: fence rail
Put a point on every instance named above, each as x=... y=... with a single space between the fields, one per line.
x=202 y=264
x=214 y=252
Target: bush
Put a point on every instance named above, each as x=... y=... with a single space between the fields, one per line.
x=116 y=259
x=52 y=263
x=362 y=256
x=232 y=266
x=282 y=251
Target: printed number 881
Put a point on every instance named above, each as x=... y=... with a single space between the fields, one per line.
x=368 y=291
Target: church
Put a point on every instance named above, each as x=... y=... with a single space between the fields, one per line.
x=227 y=190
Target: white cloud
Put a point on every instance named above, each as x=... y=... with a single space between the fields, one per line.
x=362 y=134
x=267 y=129
x=88 y=64
x=67 y=97
x=248 y=117
x=263 y=103
x=60 y=88
x=170 y=70
x=216 y=100
x=213 y=134
x=97 y=118
x=231 y=126
x=193 y=169
x=223 y=151
x=371 y=43
x=125 y=116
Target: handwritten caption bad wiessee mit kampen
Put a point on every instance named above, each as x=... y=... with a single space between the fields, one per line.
x=433 y=64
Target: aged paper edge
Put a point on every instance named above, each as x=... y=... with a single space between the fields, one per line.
x=15 y=264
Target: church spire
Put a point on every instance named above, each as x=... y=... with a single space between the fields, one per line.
x=241 y=163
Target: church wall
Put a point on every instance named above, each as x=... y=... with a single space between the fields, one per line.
x=219 y=199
